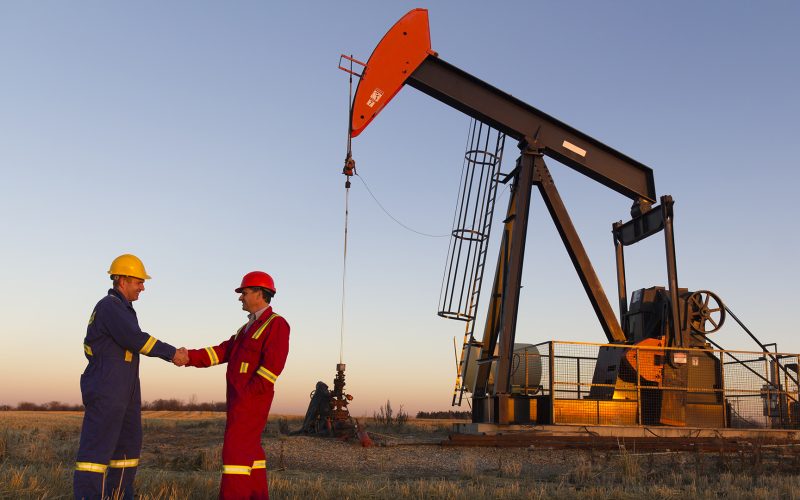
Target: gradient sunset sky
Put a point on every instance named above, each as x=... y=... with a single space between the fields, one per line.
x=208 y=139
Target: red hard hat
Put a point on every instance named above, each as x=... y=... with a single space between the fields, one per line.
x=257 y=279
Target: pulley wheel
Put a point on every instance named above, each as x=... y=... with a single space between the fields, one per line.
x=706 y=312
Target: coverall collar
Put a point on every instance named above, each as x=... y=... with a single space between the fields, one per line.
x=253 y=317
x=116 y=293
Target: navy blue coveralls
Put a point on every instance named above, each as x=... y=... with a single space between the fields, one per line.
x=111 y=437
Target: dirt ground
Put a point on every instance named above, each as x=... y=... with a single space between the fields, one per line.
x=410 y=452
x=181 y=458
x=415 y=452
x=406 y=459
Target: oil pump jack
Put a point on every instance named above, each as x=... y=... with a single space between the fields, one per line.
x=657 y=356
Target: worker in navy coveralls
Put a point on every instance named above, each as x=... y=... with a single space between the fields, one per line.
x=111 y=437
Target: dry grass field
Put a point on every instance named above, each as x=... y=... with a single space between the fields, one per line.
x=181 y=459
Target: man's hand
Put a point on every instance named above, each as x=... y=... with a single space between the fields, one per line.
x=181 y=357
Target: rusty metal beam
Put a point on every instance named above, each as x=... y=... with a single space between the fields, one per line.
x=577 y=253
x=519 y=120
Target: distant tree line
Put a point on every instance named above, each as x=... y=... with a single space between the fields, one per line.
x=444 y=414
x=158 y=405
x=49 y=406
x=178 y=405
x=193 y=405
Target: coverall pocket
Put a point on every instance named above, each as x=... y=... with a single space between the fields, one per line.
x=91 y=381
x=87 y=394
x=252 y=347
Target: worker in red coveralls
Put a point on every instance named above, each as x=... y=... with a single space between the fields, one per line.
x=255 y=355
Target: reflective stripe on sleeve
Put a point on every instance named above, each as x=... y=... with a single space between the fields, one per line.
x=212 y=356
x=267 y=374
x=91 y=467
x=87 y=349
x=121 y=464
x=128 y=356
x=263 y=327
x=148 y=346
x=236 y=469
x=260 y=464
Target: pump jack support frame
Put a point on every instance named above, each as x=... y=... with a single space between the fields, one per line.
x=500 y=329
x=404 y=56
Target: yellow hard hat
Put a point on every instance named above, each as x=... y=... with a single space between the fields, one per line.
x=128 y=265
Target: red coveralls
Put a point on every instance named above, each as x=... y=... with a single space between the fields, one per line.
x=255 y=357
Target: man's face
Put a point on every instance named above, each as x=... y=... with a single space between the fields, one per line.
x=130 y=288
x=252 y=300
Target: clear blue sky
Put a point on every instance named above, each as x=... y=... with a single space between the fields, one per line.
x=208 y=139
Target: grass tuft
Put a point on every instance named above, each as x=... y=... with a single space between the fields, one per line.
x=468 y=467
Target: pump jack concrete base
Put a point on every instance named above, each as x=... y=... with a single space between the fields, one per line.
x=643 y=438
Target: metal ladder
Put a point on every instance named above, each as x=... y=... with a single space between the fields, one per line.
x=469 y=328
x=474 y=260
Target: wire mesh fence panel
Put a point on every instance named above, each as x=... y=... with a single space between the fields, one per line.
x=526 y=370
x=761 y=390
x=745 y=376
x=628 y=385
x=544 y=352
x=582 y=394
x=574 y=366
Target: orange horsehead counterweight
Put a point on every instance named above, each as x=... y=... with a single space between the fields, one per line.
x=401 y=50
x=404 y=57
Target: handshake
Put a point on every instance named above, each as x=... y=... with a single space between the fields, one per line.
x=181 y=357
